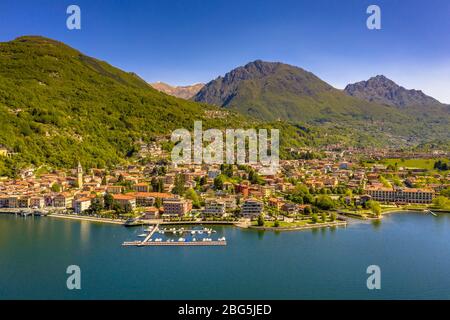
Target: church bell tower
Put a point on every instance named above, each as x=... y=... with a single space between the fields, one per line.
x=80 y=175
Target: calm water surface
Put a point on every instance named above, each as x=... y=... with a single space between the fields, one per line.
x=412 y=250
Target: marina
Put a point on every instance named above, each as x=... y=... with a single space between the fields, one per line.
x=203 y=239
x=174 y=243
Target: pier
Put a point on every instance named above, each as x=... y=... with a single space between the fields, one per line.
x=182 y=242
x=431 y=212
x=174 y=243
x=150 y=234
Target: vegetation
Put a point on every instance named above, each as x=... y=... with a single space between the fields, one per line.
x=58 y=106
x=375 y=207
x=441 y=202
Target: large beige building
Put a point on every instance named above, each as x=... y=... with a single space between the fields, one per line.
x=176 y=206
x=401 y=195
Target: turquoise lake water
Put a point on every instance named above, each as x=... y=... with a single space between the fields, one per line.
x=412 y=250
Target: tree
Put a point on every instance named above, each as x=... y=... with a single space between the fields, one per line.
x=191 y=194
x=261 y=220
x=179 y=187
x=324 y=217
x=333 y=216
x=56 y=187
x=218 y=182
x=441 y=202
x=324 y=202
x=446 y=192
x=276 y=224
x=385 y=182
x=375 y=207
x=158 y=202
x=314 y=218
x=96 y=206
x=108 y=201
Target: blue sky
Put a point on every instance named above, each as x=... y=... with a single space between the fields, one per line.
x=190 y=41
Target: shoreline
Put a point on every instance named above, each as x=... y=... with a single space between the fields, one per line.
x=300 y=228
x=85 y=218
x=240 y=224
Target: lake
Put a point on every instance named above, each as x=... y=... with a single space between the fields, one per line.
x=412 y=250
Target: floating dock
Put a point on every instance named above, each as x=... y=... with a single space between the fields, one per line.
x=173 y=243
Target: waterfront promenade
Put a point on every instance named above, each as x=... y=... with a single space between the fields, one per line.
x=86 y=218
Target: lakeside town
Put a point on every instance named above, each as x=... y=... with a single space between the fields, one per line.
x=319 y=188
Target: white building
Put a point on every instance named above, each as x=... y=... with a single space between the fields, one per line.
x=81 y=205
x=214 y=207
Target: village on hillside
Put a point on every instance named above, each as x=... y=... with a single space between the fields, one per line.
x=310 y=190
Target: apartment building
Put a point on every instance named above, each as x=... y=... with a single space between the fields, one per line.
x=141 y=187
x=63 y=200
x=214 y=207
x=252 y=208
x=125 y=200
x=176 y=206
x=81 y=205
x=401 y=195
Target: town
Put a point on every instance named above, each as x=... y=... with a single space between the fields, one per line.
x=318 y=188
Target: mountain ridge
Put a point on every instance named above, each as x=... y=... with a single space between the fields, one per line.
x=381 y=89
x=274 y=90
x=59 y=106
x=184 y=92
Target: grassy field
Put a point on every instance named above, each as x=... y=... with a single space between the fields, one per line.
x=411 y=163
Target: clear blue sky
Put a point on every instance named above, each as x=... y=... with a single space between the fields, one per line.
x=188 y=41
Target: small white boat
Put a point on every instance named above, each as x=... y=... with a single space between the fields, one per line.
x=194 y=240
x=158 y=240
x=142 y=235
x=222 y=239
x=181 y=240
x=192 y=232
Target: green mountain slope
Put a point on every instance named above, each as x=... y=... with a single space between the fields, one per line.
x=269 y=91
x=58 y=106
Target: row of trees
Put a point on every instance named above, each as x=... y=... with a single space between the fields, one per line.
x=107 y=202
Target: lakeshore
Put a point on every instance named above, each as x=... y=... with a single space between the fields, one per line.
x=243 y=224
x=86 y=218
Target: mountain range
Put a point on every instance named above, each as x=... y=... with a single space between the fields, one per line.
x=58 y=106
x=274 y=90
x=382 y=90
x=184 y=92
